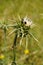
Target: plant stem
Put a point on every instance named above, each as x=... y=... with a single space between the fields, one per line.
x=14 y=50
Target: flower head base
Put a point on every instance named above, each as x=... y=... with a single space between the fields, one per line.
x=1 y=56
x=26 y=51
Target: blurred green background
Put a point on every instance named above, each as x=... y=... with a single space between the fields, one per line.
x=9 y=10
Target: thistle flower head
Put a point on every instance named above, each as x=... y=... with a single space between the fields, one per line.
x=27 y=21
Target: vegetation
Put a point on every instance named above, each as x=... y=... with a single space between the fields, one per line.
x=32 y=54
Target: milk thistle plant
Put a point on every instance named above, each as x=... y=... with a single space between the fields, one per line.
x=21 y=30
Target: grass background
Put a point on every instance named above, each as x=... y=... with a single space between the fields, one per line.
x=10 y=9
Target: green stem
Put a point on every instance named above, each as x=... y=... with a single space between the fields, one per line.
x=14 y=50
x=26 y=41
